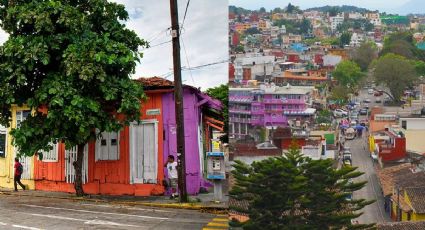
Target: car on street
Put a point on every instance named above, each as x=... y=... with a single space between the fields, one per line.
x=354 y=115
x=378 y=100
x=366 y=100
x=363 y=111
x=370 y=91
x=340 y=113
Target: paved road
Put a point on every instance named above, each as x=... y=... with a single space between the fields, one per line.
x=373 y=213
x=46 y=213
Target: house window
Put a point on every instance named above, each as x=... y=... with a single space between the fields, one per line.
x=107 y=147
x=404 y=124
x=3 y=143
x=52 y=155
x=21 y=116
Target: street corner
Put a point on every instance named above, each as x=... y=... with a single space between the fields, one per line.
x=219 y=222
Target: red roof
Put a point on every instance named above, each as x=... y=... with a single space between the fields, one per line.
x=155 y=81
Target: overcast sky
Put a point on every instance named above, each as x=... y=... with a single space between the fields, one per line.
x=381 y=5
x=204 y=37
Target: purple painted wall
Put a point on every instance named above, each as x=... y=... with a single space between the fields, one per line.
x=192 y=120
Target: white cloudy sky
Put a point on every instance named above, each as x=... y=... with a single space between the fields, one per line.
x=205 y=37
x=381 y=5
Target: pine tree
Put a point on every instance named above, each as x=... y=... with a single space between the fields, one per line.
x=295 y=192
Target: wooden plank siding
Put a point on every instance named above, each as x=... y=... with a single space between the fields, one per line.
x=110 y=177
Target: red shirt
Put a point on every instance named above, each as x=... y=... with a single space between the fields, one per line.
x=16 y=168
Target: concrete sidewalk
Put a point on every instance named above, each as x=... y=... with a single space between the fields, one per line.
x=202 y=202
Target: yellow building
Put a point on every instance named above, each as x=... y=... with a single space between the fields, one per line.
x=277 y=16
x=241 y=27
x=415 y=198
x=8 y=154
x=262 y=25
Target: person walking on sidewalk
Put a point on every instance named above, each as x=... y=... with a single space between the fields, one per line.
x=172 y=175
x=18 y=172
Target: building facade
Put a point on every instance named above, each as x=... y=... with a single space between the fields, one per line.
x=266 y=106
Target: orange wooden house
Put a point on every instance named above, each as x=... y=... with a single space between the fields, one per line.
x=125 y=163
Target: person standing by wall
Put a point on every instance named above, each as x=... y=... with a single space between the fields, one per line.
x=172 y=175
x=18 y=172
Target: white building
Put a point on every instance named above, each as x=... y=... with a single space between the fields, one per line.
x=331 y=60
x=355 y=15
x=374 y=18
x=356 y=40
x=335 y=21
x=258 y=65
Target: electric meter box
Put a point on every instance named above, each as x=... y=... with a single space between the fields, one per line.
x=216 y=166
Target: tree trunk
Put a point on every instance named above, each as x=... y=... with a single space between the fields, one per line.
x=78 y=166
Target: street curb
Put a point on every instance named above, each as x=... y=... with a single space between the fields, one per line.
x=187 y=206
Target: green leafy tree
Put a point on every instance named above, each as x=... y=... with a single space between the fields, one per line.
x=222 y=93
x=365 y=54
x=262 y=10
x=402 y=43
x=324 y=116
x=347 y=73
x=396 y=73
x=339 y=93
x=345 y=39
x=293 y=190
x=333 y=11
x=74 y=59
x=305 y=26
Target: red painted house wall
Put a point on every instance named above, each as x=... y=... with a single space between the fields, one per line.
x=285 y=143
x=396 y=153
x=105 y=177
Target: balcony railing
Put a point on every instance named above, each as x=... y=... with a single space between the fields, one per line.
x=240 y=120
x=240 y=111
x=276 y=110
x=257 y=112
x=284 y=101
x=241 y=99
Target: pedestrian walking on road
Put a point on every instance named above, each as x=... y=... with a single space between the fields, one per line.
x=18 y=172
x=172 y=175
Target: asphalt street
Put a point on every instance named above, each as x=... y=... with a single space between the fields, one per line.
x=373 y=213
x=35 y=213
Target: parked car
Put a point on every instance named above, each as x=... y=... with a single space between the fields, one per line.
x=340 y=113
x=354 y=115
x=370 y=91
x=363 y=111
x=378 y=100
x=367 y=100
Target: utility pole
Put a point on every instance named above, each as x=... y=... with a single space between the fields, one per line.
x=178 y=97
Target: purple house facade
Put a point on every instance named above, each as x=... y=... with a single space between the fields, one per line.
x=195 y=126
x=266 y=105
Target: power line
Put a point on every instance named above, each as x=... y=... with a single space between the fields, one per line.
x=185 y=12
x=154 y=37
x=187 y=60
x=159 y=44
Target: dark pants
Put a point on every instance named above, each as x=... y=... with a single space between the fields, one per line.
x=17 y=180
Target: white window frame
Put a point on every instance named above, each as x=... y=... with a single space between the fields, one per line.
x=20 y=114
x=100 y=155
x=133 y=159
x=52 y=155
x=3 y=131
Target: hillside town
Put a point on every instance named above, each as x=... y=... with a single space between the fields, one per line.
x=328 y=80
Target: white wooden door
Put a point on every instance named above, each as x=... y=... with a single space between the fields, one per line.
x=144 y=152
x=25 y=161
x=26 y=164
x=70 y=157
